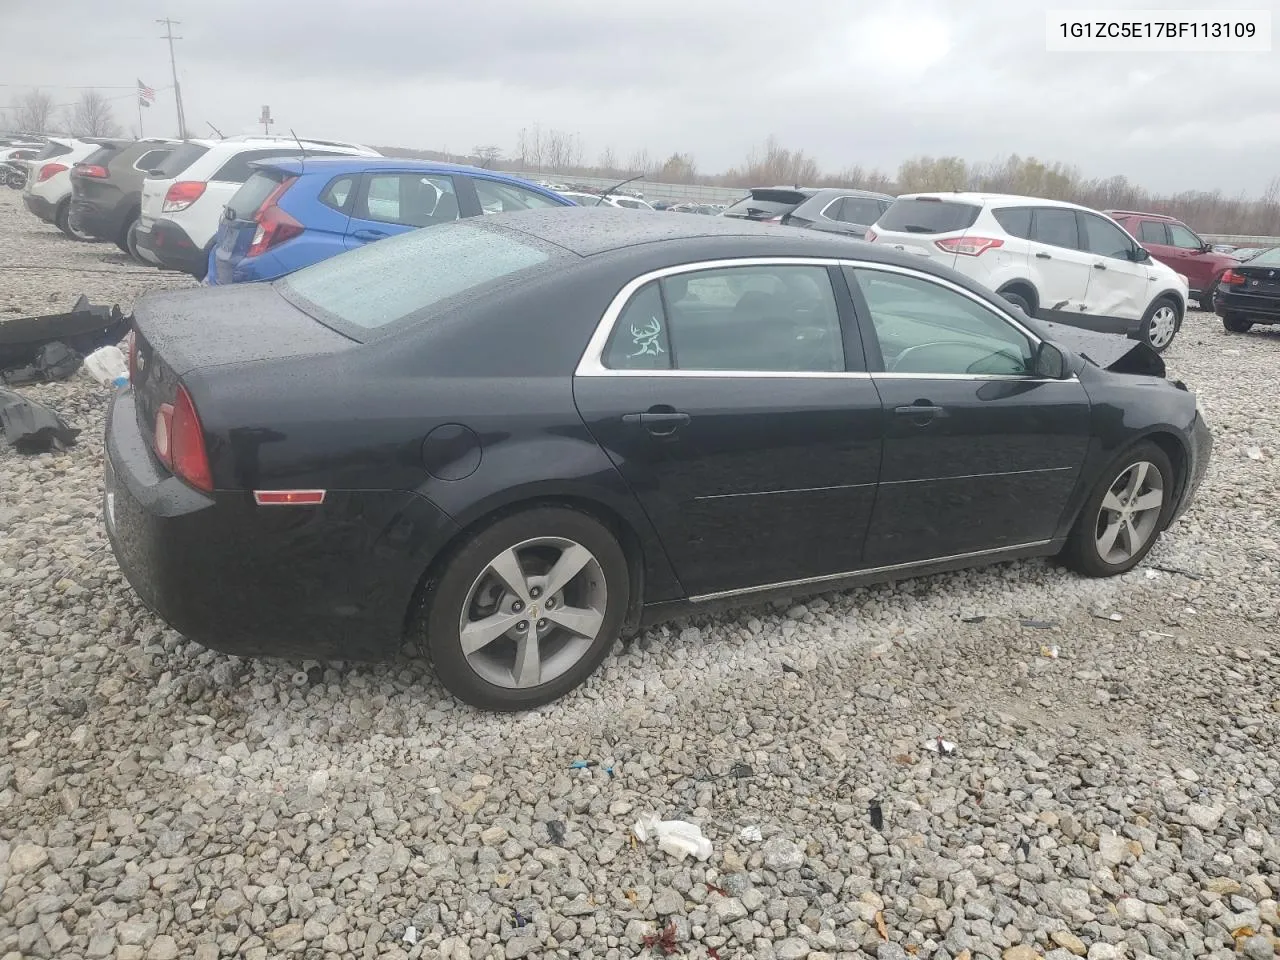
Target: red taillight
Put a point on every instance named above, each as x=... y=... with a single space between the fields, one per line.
x=182 y=195
x=90 y=170
x=180 y=441
x=1231 y=278
x=274 y=225
x=870 y=236
x=50 y=170
x=133 y=356
x=968 y=246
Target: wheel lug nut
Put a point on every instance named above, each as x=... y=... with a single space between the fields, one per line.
x=522 y=626
x=542 y=624
x=517 y=607
x=535 y=592
x=551 y=602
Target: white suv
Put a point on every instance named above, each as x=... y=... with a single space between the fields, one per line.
x=47 y=192
x=1057 y=261
x=183 y=200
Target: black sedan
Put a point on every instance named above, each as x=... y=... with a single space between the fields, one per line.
x=513 y=439
x=1249 y=292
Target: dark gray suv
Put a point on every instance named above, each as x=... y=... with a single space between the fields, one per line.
x=830 y=209
x=106 y=189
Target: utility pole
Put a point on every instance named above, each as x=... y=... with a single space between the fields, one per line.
x=173 y=65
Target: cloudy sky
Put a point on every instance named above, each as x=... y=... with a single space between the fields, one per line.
x=849 y=81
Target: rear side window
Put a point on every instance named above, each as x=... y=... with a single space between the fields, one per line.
x=1150 y=231
x=183 y=156
x=338 y=193
x=639 y=339
x=861 y=210
x=151 y=159
x=1055 y=226
x=1016 y=221
x=498 y=197
x=255 y=190
x=764 y=204
x=928 y=215
x=402 y=276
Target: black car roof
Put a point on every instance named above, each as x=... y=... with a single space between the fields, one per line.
x=588 y=231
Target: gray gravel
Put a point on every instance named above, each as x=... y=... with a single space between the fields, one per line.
x=158 y=800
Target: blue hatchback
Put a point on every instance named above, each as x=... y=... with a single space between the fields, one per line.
x=293 y=212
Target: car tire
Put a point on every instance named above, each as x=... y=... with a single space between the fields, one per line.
x=536 y=659
x=62 y=219
x=131 y=245
x=122 y=241
x=1234 y=323
x=1094 y=547
x=1018 y=300
x=1160 y=324
x=1206 y=302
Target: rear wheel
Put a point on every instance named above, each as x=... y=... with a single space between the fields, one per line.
x=1123 y=517
x=1018 y=299
x=131 y=245
x=1234 y=323
x=526 y=610
x=122 y=241
x=63 y=220
x=1160 y=324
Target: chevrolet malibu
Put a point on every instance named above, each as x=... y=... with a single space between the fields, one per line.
x=513 y=439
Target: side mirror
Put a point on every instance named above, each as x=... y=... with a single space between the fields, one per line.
x=1050 y=362
x=1140 y=255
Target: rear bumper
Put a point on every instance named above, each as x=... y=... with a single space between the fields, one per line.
x=44 y=209
x=166 y=244
x=1261 y=309
x=335 y=581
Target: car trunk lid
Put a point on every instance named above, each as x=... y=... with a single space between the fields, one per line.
x=239 y=225
x=767 y=204
x=170 y=170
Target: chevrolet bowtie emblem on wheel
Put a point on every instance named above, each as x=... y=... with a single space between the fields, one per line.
x=533 y=611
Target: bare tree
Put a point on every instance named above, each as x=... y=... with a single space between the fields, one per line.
x=678 y=168
x=639 y=162
x=607 y=162
x=33 y=111
x=530 y=146
x=92 y=116
x=487 y=157
x=564 y=150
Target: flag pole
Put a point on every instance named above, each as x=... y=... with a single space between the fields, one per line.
x=140 y=135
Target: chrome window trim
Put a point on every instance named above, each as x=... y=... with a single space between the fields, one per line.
x=591 y=363
x=864 y=572
x=823 y=212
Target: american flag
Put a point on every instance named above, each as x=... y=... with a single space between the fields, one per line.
x=145 y=95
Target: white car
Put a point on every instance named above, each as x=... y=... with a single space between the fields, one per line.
x=594 y=199
x=183 y=200
x=1058 y=261
x=47 y=192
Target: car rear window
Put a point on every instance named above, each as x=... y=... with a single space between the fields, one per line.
x=927 y=215
x=182 y=157
x=1267 y=258
x=51 y=150
x=246 y=201
x=401 y=277
x=766 y=203
x=102 y=156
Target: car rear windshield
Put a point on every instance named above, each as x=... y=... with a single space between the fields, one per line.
x=252 y=192
x=53 y=149
x=1267 y=258
x=401 y=277
x=181 y=158
x=927 y=215
x=102 y=156
x=767 y=203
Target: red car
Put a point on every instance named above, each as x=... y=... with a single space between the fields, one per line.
x=1175 y=244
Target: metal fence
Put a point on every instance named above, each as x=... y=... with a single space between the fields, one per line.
x=652 y=189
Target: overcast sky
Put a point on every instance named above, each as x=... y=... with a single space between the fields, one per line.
x=849 y=81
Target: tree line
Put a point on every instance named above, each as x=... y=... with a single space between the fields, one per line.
x=35 y=112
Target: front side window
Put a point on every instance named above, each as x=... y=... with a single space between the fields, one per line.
x=1104 y=238
x=1150 y=231
x=774 y=318
x=498 y=197
x=1184 y=239
x=1055 y=226
x=924 y=329
x=410 y=199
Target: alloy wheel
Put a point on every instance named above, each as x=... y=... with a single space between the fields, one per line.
x=1130 y=512
x=534 y=612
x=1164 y=324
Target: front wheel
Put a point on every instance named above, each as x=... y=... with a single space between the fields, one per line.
x=526 y=610
x=1160 y=324
x=1124 y=514
x=1234 y=323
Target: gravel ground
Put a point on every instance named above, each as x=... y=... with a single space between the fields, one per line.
x=158 y=800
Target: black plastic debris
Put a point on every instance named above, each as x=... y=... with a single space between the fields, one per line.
x=1040 y=624
x=979 y=619
x=33 y=427
x=788 y=668
x=556 y=830
x=877 y=815
x=741 y=771
x=79 y=331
